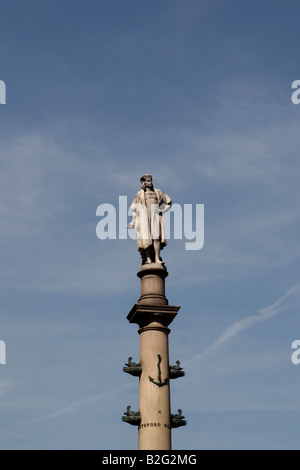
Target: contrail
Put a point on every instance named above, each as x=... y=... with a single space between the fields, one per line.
x=292 y=296
x=264 y=314
x=75 y=405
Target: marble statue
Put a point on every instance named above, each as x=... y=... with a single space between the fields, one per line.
x=148 y=207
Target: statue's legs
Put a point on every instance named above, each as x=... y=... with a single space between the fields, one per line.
x=156 y=244
x=148 y=255
x=152 y=254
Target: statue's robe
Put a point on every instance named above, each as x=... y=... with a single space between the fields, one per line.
x=149 y=225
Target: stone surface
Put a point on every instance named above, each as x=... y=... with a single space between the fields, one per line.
x=153 y=314
x=153 y=284
x=154 y=400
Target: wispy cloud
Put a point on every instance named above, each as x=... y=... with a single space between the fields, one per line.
x=291 y=298
x=4 y=385
x=77 y=405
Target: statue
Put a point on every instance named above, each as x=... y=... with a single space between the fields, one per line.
x=148 y=206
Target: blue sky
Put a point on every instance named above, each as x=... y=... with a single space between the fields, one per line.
x=198 y=94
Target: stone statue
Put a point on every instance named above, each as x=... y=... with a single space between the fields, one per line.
x=148 y=206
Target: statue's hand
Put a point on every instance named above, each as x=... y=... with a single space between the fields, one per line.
x=165 y=208
x=130 y=225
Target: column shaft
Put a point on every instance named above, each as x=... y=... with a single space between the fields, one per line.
x=154 y=389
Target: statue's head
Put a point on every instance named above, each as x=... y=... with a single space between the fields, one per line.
x=146 y=181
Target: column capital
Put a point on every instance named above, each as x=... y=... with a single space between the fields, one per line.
x=144 y=314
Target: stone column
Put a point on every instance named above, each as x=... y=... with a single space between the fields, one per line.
x=153 y=315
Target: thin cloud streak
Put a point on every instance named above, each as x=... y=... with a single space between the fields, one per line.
x=76 y=405
x=264 y=314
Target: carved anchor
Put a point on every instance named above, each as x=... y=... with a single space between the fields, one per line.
x=159 y=383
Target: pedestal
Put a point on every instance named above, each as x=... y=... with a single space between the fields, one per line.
x=153 y=315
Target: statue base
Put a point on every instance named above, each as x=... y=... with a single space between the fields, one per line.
x=153 y=284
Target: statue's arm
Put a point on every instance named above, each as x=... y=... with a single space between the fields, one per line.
x=133 y=207
x=132 y=223
x=134 y=203
x=167 y=203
